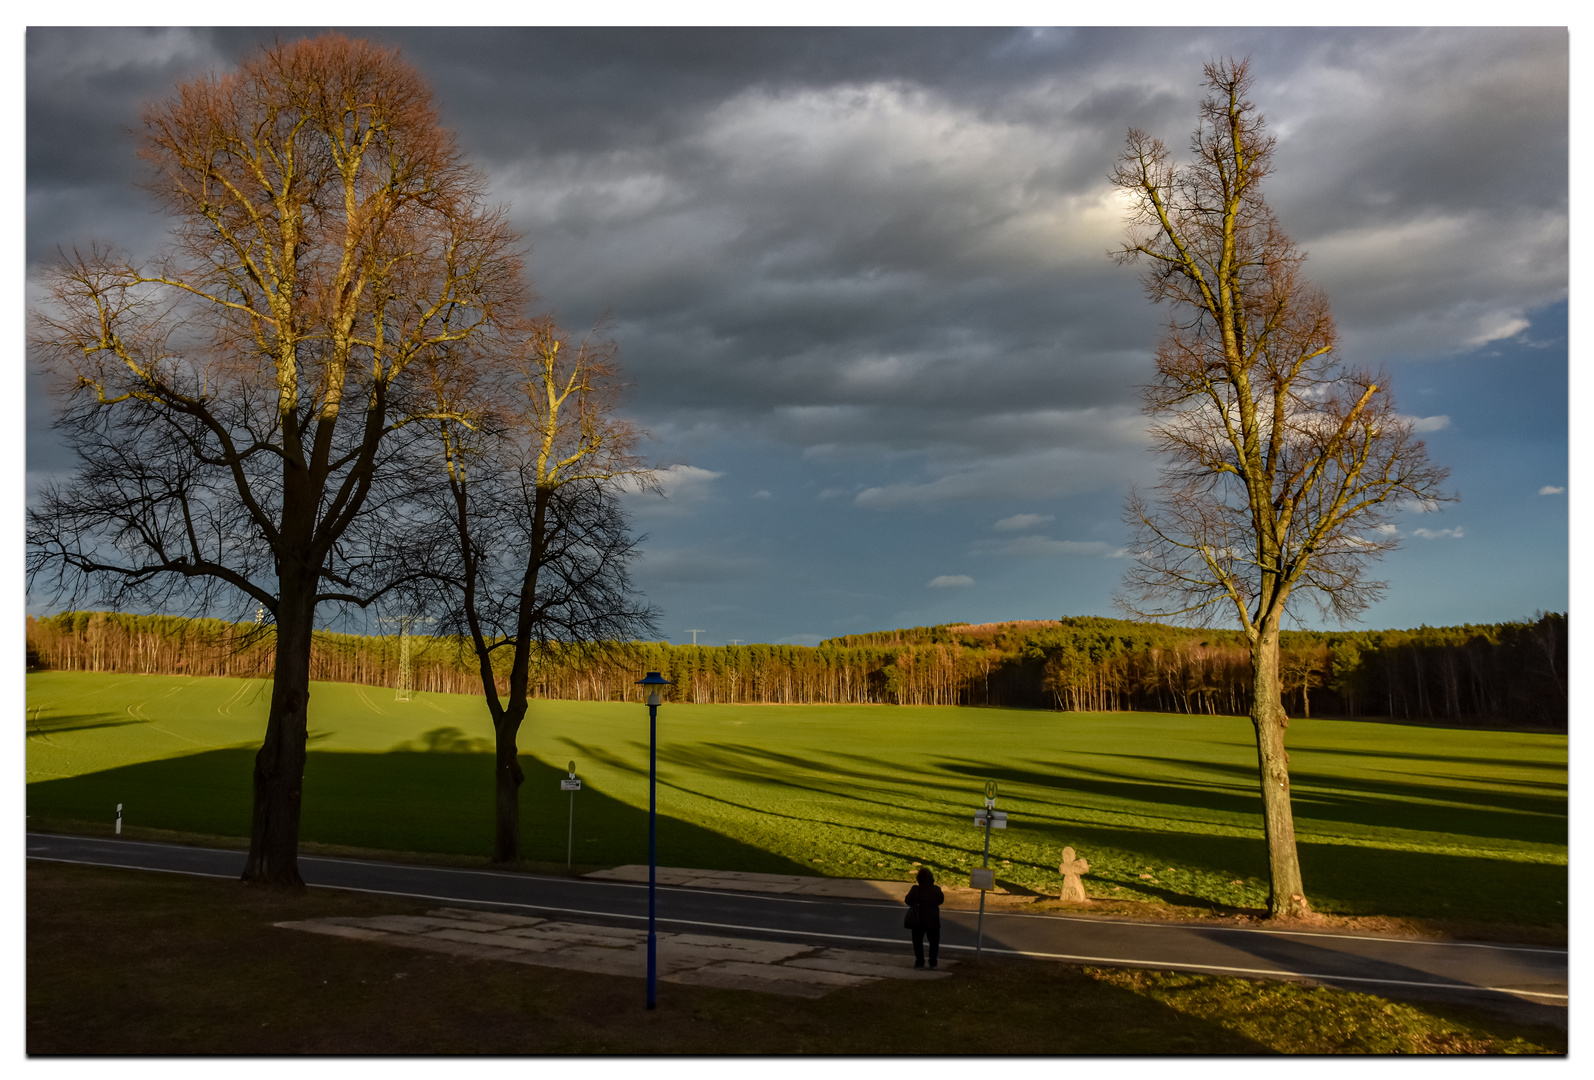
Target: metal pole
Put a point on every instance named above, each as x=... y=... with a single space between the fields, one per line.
x=653 y=855
x=985 y=862
x=570 y=837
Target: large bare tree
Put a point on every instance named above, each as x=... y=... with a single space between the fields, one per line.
x=528 y=540
x=1282 y=464
x=240 y=405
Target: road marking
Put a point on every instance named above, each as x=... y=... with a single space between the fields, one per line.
x=125 y=866
x=1264 y=972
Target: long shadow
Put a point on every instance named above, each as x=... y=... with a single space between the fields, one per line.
x=1443 y=725
x=1317 y=796
x=1340 y=877
x=907 y=846
x=440 y=802
x=718 y=765
x=60 y=725
x=1454 y=759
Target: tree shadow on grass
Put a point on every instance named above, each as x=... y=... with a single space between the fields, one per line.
x=1454 y=805
x=1350 y=879
x=60 y=725
x=1454 y=759
x=439 y=802
x=1458 y=809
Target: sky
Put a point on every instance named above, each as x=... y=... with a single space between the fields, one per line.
x=860 y=284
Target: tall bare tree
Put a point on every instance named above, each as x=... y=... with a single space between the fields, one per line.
x=239 y=404
x=530 y=543
x=1283 y=465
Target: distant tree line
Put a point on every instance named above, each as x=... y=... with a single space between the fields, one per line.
x=1514 y=672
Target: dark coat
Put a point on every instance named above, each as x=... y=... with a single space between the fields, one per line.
x=927 y=899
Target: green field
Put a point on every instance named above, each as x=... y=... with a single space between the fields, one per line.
x=1393 y=820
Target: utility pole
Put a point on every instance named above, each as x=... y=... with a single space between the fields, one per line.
x=405 y=623
x=694 y=634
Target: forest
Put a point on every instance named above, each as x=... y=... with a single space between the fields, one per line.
x=1512 y=673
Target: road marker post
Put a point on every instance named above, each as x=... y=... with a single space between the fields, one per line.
x=572 y=785
x=118 y=819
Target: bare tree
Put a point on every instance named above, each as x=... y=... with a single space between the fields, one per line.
x=528 y=538
x=1283 y=465
x=239 y=405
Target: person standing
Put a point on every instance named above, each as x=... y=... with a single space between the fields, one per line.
x=924 y=916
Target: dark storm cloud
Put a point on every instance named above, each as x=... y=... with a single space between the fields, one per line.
x=882 y=252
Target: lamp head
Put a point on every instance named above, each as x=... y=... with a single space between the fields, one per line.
x=655 y=680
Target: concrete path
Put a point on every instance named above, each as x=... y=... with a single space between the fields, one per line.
x=769 y=967
x=745 y=881
x=1530 y=982
x=957 y=896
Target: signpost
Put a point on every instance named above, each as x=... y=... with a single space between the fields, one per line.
x=985 y=878
x=572 y=785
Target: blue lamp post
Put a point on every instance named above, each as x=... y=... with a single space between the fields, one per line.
x=653 y=680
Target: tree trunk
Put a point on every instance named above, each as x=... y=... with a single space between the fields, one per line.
x=508 y=776
x=279 y=766
x=1287 y=895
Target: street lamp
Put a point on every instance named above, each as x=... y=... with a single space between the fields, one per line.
x=653 y=680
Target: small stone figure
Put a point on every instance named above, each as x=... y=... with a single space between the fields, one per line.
x=1071 y=867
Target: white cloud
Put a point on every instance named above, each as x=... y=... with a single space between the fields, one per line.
x=1551 y=489
x=1019 y=522
x=687 y=483
x=1044 y=547
x=950 y=581
x=762 y=494
x=1498 y=328
x=1438 y=534
x=1424 y=424
x=681 y=486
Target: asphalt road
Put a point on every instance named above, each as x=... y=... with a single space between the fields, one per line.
x=1525 y=981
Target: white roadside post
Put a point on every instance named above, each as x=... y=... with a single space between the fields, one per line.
x=118 y=819
x=572 y=785
x=985 y=878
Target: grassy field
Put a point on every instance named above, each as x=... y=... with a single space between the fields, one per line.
x=1393 y=820
x=127 y=962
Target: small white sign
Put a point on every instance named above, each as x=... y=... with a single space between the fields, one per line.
x=982 y=879
x=998 y=821
x=570 y=785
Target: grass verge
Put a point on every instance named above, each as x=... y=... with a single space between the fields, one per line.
x=130 y=962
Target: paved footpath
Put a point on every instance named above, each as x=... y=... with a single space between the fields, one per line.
x=771 y=967
x=1528 y=981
